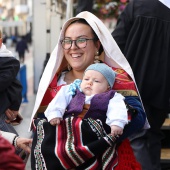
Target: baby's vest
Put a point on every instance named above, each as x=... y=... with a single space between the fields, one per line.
x=98 y=107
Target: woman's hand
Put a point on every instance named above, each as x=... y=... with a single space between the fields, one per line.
x=116 y=130
x=11 y=115
x=55 y=121
x=23 y=143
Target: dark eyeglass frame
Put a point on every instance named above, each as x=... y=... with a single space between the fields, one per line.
x=86 y=39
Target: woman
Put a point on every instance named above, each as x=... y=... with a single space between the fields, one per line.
x=81 y=41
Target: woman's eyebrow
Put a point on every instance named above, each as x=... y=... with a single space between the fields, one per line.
x=77 y=36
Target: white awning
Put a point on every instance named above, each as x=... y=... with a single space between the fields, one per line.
x=11 y=23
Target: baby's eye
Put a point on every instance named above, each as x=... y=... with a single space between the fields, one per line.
x=96 y=81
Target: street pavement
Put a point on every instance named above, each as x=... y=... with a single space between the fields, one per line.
x=26 y=108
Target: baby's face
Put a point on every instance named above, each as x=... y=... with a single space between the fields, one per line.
x=94 y=83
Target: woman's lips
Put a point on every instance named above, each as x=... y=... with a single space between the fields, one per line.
x=75 y=55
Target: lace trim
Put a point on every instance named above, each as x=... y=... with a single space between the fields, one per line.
x=39 y=159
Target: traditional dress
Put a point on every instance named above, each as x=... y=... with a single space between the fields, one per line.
x=46 y=136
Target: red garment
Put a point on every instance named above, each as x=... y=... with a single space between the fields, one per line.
x=51 y=92
x=123 y=83
x=8 y=159
x=126 y=158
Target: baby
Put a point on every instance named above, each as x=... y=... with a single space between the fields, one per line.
x=98 y=79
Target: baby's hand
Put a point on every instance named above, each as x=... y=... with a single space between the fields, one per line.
x=116 y=130
x=55 y=121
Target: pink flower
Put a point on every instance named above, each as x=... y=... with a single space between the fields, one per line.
x=123 y=1
x=122 y=7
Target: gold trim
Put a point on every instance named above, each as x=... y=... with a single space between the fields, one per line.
x=127 y=92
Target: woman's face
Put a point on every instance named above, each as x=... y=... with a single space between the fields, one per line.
x=80 y=58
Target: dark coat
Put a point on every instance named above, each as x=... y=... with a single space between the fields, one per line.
x=21 y=47
x=143 y=35
x=10 y=87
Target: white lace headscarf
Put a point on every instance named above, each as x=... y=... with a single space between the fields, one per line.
x=113 y=56
x=4 y=52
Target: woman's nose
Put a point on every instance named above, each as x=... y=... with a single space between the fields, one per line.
x=73 y=45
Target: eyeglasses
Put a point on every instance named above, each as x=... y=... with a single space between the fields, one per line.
x=80 y=43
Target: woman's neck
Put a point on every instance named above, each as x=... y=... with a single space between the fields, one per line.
x=72 y=75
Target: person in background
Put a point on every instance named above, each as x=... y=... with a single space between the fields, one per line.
x=87 y=41
x=84 y=5
x=21 y=48
x=10 y=88
x=143 y=35
x=10 y=98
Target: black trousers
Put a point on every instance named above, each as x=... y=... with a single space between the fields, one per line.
x=22 y=57
x=147 y=143
x=156 y=118
x=5 y=126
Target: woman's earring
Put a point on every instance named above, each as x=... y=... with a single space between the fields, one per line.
x=68 y=67
x=96 y=58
